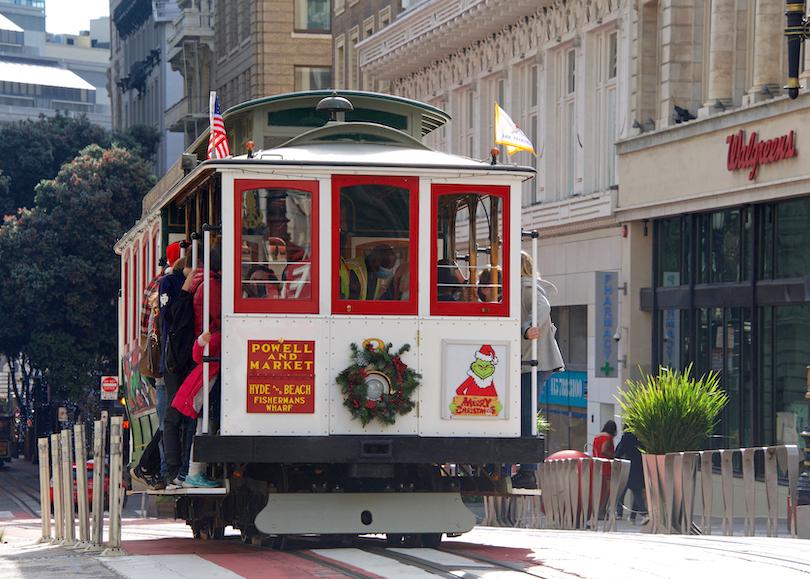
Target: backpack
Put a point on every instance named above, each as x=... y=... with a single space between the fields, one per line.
x=180 y=339
x=150 y=460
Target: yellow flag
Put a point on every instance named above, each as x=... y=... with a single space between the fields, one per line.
x=507 y=133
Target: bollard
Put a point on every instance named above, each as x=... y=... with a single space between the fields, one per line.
x=68 y=504
x=56 y=469
x=81 y=486
x=748 y=489
x=44 y=490
x=97 y=530
x=727 y=480
x=771 y=488
x=708 y=489
x=116 y=478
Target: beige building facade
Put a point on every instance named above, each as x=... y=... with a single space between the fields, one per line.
x=244 y=50
x=629 y=106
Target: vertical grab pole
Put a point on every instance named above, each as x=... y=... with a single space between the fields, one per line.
x=206 y=315
x=81 y=484
x=116 y=476
x=534 y=325
x=56 y=468
x=98 y=482
x=67 y=488
x=44 y=490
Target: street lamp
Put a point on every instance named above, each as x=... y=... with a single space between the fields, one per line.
x=796 y=31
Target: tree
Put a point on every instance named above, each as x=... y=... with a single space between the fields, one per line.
x=33 y=150
x=59 y=277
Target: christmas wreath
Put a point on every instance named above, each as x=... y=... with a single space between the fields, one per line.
x=378 y=384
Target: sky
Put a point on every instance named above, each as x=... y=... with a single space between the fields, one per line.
x=72 y=16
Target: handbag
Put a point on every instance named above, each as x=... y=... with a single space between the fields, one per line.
x=149 y=364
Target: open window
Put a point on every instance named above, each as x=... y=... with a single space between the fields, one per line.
x=469 y=250
x=374 y=240
x=277 y=247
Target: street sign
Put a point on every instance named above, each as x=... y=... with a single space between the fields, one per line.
x=109 y=387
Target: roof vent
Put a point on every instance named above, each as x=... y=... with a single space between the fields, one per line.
x=334 y=105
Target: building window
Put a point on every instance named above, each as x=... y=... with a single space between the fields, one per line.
x=385 y=17
x=567 y=135
x=605 y=93
x=277 y=246
x=368 y=30
x=312 y=15
x=374 y=240
x=340 y=6
x=471 y=277
x=353 y=80
x=312 y=78
x=340 y=62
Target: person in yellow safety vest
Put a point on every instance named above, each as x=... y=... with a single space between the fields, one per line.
x=361 y=277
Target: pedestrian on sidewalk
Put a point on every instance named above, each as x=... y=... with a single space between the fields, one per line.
x=630 y=448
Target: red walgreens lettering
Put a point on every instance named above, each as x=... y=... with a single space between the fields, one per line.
x=755 y=153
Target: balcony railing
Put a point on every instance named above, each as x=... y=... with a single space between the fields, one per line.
x=430 y=30
x=192 y=24
x=187 y=109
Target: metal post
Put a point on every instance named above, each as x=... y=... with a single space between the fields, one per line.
x=81 y=485
x=727 y=481
x=708 y=488
x=115 y=492
x=206 y=315
x=97 y=531
x=68 y=504
x=534 y=325
x=56 y=468
x=44 y=490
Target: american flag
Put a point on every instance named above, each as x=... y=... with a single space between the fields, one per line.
x=217 y=140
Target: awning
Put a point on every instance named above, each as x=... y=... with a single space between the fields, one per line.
x=42 y=76
x=6 y=24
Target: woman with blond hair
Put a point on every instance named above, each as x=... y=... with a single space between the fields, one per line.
x=548 y=353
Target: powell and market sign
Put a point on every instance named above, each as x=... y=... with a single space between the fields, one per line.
x=607 y=321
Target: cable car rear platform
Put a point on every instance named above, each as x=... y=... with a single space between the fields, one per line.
x=352 y=449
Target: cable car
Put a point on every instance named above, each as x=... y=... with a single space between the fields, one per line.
x=370 y=359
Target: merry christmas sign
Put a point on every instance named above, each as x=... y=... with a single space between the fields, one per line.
x=475 y=379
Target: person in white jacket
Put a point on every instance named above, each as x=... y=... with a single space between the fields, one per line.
x=549 y=357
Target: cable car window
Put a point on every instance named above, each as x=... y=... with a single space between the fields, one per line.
x=470 y=250
x=374 y=241
x=277 y=249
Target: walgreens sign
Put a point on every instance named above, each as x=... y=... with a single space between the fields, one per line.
x=756 y=153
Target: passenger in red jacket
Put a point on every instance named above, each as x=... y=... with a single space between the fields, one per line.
x=189 y=399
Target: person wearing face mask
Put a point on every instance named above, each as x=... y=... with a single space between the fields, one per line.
x=450 y=281
x=261 y=283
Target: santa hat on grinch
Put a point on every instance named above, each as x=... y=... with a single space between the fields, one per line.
x=487 y=354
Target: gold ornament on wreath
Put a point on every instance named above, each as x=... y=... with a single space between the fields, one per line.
x=378 y=384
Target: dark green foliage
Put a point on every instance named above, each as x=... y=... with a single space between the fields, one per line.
x=403 y=380
x=33 y=150
x=672 y=412
x=140 y=139
x=59 y=277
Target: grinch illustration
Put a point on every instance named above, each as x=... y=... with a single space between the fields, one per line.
x=477 y=395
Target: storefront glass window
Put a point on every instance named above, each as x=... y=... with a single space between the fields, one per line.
x=792 y=240
x=669 y=249
x=791 y=340
x=564 y=399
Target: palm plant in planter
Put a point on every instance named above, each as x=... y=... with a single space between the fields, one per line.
x=671 y=413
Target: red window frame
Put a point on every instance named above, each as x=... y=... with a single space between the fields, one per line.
x=275 y=306
x=136 y=293
x=477 y=309
x=125 y=301
x=376 y=307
